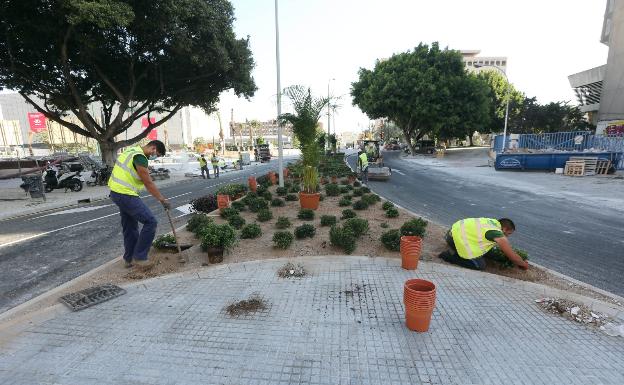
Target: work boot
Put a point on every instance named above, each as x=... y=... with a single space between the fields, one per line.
x=128 y=264
x=445 y=255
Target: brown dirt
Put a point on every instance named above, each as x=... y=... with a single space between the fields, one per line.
x=246 y=306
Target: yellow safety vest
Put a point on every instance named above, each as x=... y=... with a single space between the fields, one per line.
x=124 y=178
x=363 y=161
x=214 y=161
x=202 y=162
x=469 y=236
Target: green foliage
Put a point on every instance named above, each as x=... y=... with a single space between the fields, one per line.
x=267 y=195
x=392 y=212
x=387 y=205
x=348 y=213
x=365 y=190
x=282 y=223
x=294 y=189
x=215 y=235
x=292 y=197
x=343 y=237
x=392 y=240
x=344 y=202
x=198 y=221
x=310 y=180
x=265 y=215
x=277 y=202
x=261 y=189
x=358 y=192
x=257 y=204
x=360 y=205
x=135 y=57
x=228 y=212
x=247 y=198
x=233 y=190
x=328 y=220
x=370 y=199
x=359 y=226
x=357 y=184
x=283 y=239
x=250 y=231
x=332 y=190
x=306 y=214
x=384 y=225
x=416 y=227
x=305 y=231
x=281 y=191
x=239 y=205
x=236 y=221
x=496 y=255
x=344 y=189
x=163 y=240
x=205 y=204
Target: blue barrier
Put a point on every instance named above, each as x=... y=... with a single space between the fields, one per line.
x=548 y=161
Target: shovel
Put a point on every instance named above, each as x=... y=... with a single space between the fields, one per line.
x=181 y=258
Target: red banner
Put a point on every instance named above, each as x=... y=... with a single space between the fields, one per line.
x=144 y=122
x=153 y=135
x=37 y=122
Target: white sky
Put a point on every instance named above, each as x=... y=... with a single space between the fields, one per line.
x=544 y=40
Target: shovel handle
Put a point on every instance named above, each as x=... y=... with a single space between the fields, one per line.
x=174 y=232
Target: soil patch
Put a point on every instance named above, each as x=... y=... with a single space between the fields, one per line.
x=246 y=306
x=290 y=270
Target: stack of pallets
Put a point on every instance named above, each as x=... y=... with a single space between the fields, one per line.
x=581 y=166
x=574 y=168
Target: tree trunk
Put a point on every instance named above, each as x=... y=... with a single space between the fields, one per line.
x=108 y=151
x=470 y=140
x=409 y=142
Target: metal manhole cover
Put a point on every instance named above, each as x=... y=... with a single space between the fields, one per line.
x=91 y=296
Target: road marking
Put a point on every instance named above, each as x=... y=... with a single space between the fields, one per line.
x=71 y=211
x=186 y=209
x=398 y=171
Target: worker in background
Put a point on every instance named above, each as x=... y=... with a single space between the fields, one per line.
x=203 y=165
x=129 y=176
x=363 y=165
x=215 y=165
x=471 y=239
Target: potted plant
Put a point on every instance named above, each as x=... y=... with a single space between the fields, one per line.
x=216 y=239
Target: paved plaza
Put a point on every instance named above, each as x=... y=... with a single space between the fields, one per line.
x=343 y=323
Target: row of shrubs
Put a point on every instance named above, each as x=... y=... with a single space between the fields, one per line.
x=392 y=238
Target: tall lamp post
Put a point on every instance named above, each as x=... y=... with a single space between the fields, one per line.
x=328 y=109
x=506 y=96
x=280 y=145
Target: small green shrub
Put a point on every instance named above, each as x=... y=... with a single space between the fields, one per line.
x=384 y=225
x=357 y=184
x=232 y=190
x=357 y=192
x=365 y=190
x=236 y=221
x=281 y=191
x=497 y=256
x=292 y=197
x=332 y=190
x=343 y=202
x=359 y=226
x=343 y=237
x=349 y=187
x=306 y=214
x=283 y=239
x=261 y=189
x=249 y=197
x=387 y=205
x=328 y=220
x=370 y=199
x=228 y=212
x=294 y=189
x=257 y=204
x=392 y=212
x=239 y=205
x=250 y=231
x=344 y=190
x=282 y=223
x=197 y=221
x=215 y=235
x=277 y=202
x=360 y=205
x=392 y=240
x=348 y=213
x=265 y=215
x=287 y=185
x=162 y=240
x=305 y=231
x=267 y=195
x=416 y=227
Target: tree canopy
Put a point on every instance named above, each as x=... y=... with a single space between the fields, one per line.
x=134 y=58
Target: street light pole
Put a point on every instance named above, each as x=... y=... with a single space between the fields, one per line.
x=280 y=146
x=328 y=111
x=506 y=96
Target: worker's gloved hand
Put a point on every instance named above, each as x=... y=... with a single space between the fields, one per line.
x=165 y=203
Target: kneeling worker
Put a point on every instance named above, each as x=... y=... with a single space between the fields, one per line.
x=471 y=239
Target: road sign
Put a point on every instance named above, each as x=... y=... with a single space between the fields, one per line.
x=37 y=122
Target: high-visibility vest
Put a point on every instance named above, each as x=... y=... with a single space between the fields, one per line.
x=469 y=236
x=124 y=178
x=363 y=160
x=202 y=162
x=214 y=161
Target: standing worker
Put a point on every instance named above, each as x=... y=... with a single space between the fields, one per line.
x=471 y=239
x=129 y=176
x=215 y=165
x=363 y=164
x=203 y=165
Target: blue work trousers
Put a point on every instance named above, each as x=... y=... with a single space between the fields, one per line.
x=132 y=211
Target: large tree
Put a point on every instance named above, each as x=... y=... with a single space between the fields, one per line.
x=134 y=58
x=501 y=90
x=414 y=89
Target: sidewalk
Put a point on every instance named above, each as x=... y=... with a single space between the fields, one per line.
x=343 y=323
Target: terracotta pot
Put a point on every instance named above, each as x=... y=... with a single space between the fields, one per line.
x=410 y=251
x=418 y=320
x=309 y=201
x=253 y=184
x=223 y=201
x=419 y=298
x=273 y=177
x=215 y=254
x=334 y=179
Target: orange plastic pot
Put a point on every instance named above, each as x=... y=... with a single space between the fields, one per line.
x=418 y=320
x=273 y=177
x=223 y=201
x=309 y=201
x=419 y=298
x=253 y=184
x=410 y=251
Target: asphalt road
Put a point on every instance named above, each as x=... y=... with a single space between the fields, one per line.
x=580 y=241
x=41 y=251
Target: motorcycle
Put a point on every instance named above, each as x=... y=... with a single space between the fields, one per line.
x=68 y=178
x=99 y=176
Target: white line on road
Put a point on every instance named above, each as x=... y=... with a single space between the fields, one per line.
x=397 y=171
x=71 y=211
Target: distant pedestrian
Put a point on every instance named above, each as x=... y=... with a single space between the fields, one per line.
x=203 y=166
x=129 y=176
x=215 y=165
x=363 y=165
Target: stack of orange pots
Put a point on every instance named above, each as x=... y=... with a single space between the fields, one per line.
x=410 y=251
x=419 y=297
x=223 y=201
x=253 y=185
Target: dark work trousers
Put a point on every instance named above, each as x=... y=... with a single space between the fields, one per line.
x=205 y=169
x=133 y=211
x=454 y=258
x=365 y=175
x=215 y=171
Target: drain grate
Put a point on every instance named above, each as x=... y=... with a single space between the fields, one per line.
x=91 y=296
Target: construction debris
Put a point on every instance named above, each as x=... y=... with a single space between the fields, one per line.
x=251 y=305
x=572 y=311
x=290 y=270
